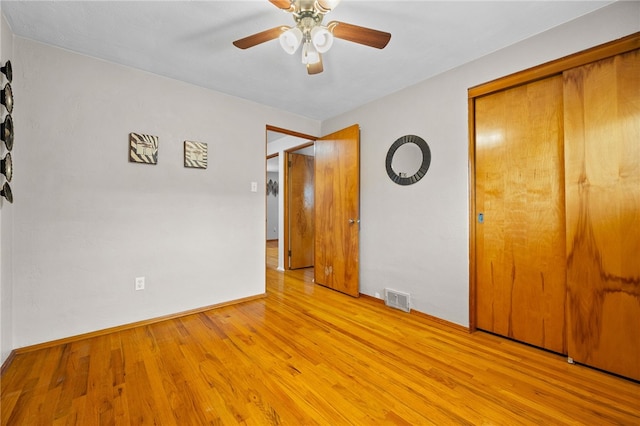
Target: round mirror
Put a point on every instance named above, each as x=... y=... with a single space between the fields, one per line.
x=6 y=192
x=6 y=166
x=408 y=160
x=6 y=70
x=6 y=132
x=6 y=97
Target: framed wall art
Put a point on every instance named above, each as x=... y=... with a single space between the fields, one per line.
x=143 y=148
x=195 y=155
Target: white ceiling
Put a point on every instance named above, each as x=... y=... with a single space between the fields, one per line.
x=191 y=41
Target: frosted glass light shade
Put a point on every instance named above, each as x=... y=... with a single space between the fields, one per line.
x=322 y=39
x=291 y=39
x=309 y=54
x=327 y=5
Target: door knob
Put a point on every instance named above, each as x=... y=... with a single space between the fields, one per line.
x=352 y=221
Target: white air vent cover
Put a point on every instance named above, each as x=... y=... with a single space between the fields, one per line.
x=397 y=299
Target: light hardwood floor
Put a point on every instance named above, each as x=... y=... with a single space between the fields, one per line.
x=307 y=355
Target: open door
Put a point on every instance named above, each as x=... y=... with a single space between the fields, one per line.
x=301 y=204
x=337 y=211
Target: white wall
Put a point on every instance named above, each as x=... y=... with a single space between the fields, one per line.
x=87 y=221
x=6 y=218
x=416 y=238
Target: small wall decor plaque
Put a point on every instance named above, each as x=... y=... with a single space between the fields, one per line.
x=143 y=148
x=195 y=154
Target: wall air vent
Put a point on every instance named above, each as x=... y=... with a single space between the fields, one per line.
x=397 y=299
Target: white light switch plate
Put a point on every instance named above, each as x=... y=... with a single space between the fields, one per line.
x=139 y=283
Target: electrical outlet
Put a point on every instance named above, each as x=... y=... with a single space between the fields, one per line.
x=378 y=295
x=254 y=186
x=139 y=283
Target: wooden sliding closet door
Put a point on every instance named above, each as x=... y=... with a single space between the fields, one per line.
x=520 y=229
x=602 y=155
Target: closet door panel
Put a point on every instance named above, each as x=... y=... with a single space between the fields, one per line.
x=602 y=172
x=521 y=289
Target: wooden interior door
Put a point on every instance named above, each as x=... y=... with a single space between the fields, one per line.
x=337 y=211
x=301 y=210
x=520 y=229
x=602 y=133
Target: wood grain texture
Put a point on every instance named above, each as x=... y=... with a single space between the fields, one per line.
x=301 y=210
x=282 y=4
x=306 y=355
x=520 y=192
x=259 y=38
x=337 y=201
x=602 y=111
x=361 y=35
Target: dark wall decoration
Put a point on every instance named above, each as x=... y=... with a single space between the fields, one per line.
x=6 y=167
x=401 y=179
x=6 y=98
x=6 y=192
x=272 y=187
x=143 y=148
x=6 y=132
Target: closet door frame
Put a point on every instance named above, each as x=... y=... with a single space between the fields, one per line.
x=613 y=48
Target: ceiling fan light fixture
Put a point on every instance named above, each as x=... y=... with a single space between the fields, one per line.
x=322 y=39
x=326 y=6
x=290 y=40
x=308 y=30
x=310 y=55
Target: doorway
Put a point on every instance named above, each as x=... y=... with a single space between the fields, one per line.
x=279 y=144
x=336 y=210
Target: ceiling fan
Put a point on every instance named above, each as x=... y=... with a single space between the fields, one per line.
x=309 y=32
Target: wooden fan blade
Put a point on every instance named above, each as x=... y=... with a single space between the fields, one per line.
x=361 y=35
x=316 y=68
x=261 y=37
x=282 y=4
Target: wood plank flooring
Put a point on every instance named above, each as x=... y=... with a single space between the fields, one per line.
x=307 y=355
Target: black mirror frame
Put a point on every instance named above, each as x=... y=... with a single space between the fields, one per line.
x=424 y=167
